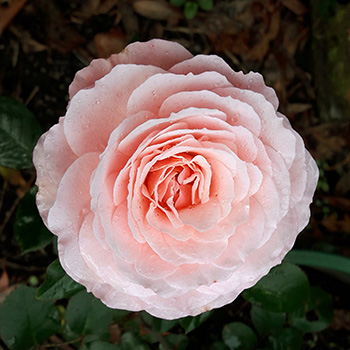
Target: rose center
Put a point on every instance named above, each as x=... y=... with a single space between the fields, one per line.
x=179 y=181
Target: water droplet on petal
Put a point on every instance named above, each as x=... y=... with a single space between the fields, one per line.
x=285 y=191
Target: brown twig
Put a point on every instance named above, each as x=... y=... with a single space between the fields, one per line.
x=8 y=14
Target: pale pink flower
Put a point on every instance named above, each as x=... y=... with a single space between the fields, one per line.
x=172 y=182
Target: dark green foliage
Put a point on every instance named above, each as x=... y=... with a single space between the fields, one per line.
x=191 y=323
x=24 y=321
x=332 y=262
x=266 y=321
x=319 y=306
x=30 y=231
x=86 y=315
x=101 y=345
x=285 y=339
x=178 y=2
x=58 y=284
x=191 y=7
x=238 y=336
x=284 y=289
x=206 y=5
x=19 y=132
x=129 y=341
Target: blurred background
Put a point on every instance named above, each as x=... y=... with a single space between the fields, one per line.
x=301 y=47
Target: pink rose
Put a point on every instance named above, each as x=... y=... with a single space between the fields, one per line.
x=172 y=182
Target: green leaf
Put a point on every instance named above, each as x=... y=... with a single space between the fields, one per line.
x=191 y=323
x=319 y=306
x=58 y=284
x=319 y=260
x=284 y=289
x=119 y=315
x=286 y=339
x=178 y=2
x=238 y=336
x=265 y=321
x=218 y=345
x=25 y=321
x=29 y=229
x=206 y=5
x=129 y=341
x=159 y=324
x=101 y=345
x=190 y=9
x=19 y=132
x=176 y=341
x=87 y=315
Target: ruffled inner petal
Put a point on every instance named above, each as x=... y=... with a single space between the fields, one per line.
x=238 y=112
x=272 y=124
x=156 y=89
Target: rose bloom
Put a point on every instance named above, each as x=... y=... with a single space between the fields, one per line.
x=172 y=182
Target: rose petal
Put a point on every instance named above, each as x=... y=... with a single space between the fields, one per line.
x=237 y=112
x=271 y=124
x=159 y=53
x=86 y=77
x=160 y=86
x=156 y=52
x=73 y=197
x=251 y=81
x=67 y=215
x=51 y=157
x=85 y=132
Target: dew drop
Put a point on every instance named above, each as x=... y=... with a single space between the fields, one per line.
x=285 y=206
x=285 y=191
x=11 y=341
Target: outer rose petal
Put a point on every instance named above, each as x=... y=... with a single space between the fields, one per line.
x=159 y=53
x=251 y=81
x=68 y=213
x=52 y=156
x=149 y=134
x=85 y=132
